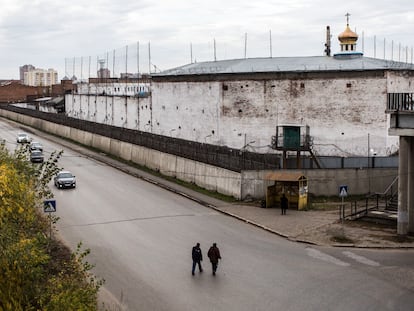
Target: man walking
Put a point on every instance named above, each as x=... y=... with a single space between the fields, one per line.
x=214 y=255
x=197 y=258
x=284 y=204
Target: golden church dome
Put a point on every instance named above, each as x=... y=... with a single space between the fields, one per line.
x=348 y=36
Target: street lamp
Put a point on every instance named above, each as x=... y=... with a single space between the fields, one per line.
x=248 y=144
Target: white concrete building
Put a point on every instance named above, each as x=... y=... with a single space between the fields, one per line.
x=239 y=103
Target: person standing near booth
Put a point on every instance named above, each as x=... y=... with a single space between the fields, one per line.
x=284 y=204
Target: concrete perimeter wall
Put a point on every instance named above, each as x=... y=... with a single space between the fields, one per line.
x=248 y=184
x=326 y=182
x=210 y=177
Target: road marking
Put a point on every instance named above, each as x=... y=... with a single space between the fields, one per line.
x=325 y=257
x=361 y=259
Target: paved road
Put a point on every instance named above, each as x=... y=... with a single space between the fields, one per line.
x=141 y=238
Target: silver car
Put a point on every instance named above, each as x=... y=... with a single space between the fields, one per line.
x=34 y=145
x=64 y=179
x=36 y=156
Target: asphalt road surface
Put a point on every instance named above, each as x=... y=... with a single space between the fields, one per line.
x=141 y=237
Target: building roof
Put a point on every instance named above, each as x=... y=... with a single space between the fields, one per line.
x=287 y=64
x=284 y=176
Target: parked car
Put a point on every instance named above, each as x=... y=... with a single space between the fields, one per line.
x=36 y=156
x=65 y=179
x=23 y=138
x=34 y=145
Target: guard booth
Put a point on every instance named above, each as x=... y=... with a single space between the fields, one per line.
x=293 y=185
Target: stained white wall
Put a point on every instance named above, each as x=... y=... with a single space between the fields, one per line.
x=346 y=115
x=128 y=112
x=188 y=110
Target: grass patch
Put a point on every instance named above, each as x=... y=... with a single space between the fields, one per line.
x=322 y=203
x=399 y=238
x=342 y=239
x=338 y=236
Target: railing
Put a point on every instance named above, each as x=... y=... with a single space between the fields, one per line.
x=356 y=209
x=389 y=194
x=379 y=200
x=221 y=156
x=400 y=102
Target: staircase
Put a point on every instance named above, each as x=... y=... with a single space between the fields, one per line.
x=386 y=211
x=392 y=203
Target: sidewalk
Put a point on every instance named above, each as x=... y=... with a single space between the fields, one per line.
x=319 y=227
x=312 y=227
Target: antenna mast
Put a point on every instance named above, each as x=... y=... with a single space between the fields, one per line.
x=328 y=41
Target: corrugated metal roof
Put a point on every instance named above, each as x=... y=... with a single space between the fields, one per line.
x=284 y=176
x=288 y=64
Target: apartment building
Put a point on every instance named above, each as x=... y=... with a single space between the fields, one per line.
x=40 y=77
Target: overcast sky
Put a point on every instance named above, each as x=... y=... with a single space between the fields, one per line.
x=48 y=33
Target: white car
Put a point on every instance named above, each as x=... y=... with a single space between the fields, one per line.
x=23 y=138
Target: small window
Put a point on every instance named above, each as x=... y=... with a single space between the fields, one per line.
x=348 y=85
x=302 y=85
x=225 y=87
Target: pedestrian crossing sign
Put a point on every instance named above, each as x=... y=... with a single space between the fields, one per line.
x=49 y=206
x=343 y=191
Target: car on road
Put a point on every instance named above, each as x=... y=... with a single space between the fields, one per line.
x=35 y=145
x=23 y=138
x=36 y=156
x=64 y=179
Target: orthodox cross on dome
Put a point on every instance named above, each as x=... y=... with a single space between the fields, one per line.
x=347 y=18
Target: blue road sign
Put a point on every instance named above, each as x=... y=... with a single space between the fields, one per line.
x=49 y=206
x=343 y=191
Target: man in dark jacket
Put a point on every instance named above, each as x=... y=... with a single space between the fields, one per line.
x=197 y=258
x=284 y=203
x=214 y=255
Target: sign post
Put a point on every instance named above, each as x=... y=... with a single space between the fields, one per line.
x=343 y=192
x=49 y=206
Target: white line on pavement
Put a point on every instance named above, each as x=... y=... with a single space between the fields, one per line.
x=361 y=259
x=325 y=257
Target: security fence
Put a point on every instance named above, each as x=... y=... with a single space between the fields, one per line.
x=232 y=159
x=220 y=156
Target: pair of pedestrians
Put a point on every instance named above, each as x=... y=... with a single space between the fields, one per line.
x=213 y=254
